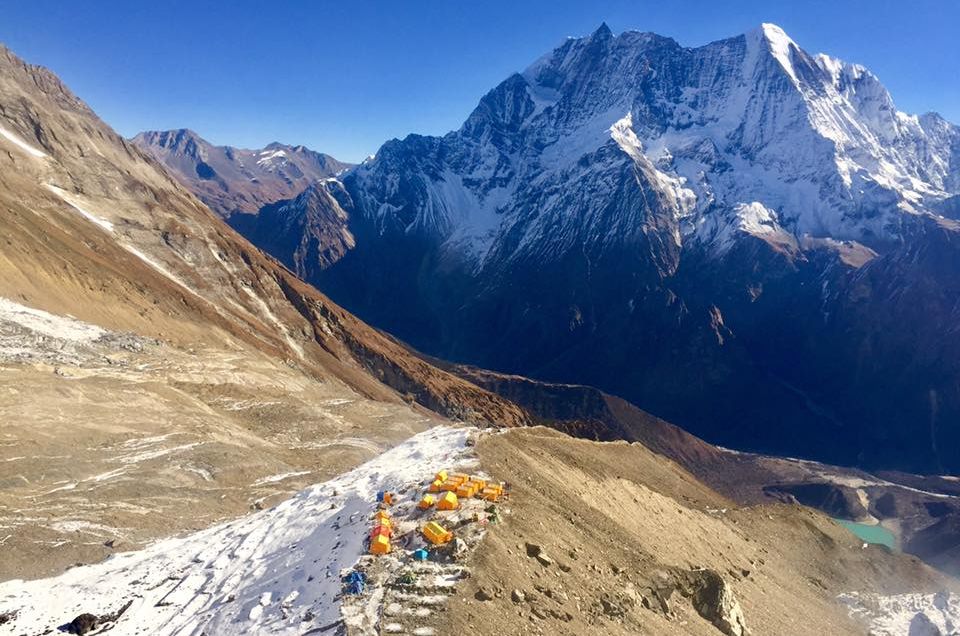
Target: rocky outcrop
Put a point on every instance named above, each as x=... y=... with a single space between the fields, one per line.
x=835 y=500
x=307 y=233
x=714 y=600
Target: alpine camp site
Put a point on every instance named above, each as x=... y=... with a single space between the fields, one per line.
x=543 y=318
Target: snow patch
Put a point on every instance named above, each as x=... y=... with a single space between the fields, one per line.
x=75 y=204
x=275 y=572
x=900 y=614
x=267 y=158
x=51 y=325
x=21 y=144
x=272 y=479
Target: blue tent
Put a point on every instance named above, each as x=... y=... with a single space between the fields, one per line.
x=420 y=555
x=357 y=577
x=356 y=582
x=355 y=588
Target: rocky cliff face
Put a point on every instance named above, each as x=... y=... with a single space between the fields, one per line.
x=713 y=233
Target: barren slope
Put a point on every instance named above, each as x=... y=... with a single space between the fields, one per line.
x=624 y=528
x=212 y=378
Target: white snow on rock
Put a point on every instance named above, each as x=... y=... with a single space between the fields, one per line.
x=267 y=157
x=272 y=479
x=47 y=324
x=779 y=44
x=277 y=571
x=21 y=144
x=75 y=204
x=911 y=614
x=743 y=137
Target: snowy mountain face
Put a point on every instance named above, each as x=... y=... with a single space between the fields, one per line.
x=233 y=180
x=714 y=233
x=746 y=135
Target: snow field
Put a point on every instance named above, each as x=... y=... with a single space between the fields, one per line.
x=277 y=571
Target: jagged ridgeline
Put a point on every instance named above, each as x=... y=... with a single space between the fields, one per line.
x=728 y=236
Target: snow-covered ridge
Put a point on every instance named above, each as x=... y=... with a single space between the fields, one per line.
x=749 y=121
x=274 y=572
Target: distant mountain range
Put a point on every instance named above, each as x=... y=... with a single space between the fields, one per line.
x=233 y=180
x=744 y=238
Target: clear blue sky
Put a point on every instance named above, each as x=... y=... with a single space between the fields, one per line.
x=344 y=77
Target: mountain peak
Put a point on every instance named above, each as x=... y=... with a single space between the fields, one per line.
x=603 y=32
x=778 y=43
x=773 y=31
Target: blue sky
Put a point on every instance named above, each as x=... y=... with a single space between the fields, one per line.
x=344 y=77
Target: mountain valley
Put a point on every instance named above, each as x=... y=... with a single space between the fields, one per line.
x=742 y=238
x=693 y=309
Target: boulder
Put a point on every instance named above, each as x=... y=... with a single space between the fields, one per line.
x=83 y=624
x=714 y=601
x=544 y=560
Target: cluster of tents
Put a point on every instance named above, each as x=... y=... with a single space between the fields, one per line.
x=381 y=534
x=445 y=492
x=459 y=486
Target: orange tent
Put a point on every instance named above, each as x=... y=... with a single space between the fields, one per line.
x=467 y=490
x=448 y=501
x=426 y=502
x=490 y=494
x=436 y=534
x=482 y=483
x=381 y=530
x=379 y=545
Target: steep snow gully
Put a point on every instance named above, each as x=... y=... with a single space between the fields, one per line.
x=277 y=571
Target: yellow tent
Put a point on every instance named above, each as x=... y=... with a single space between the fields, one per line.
x=436 y=534
x=379 y=544
x=426 y=502
x=436 y=486
x=441 y=476
x=448 y=502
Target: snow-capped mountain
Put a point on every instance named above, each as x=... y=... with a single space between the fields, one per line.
x=233 y=180
x=746 y=135
x=691 y=228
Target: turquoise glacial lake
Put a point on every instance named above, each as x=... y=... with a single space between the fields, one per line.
x=870 y=534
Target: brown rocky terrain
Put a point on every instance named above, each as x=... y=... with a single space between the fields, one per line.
x=157 y=372
x=921 y=511
x=611 y=538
